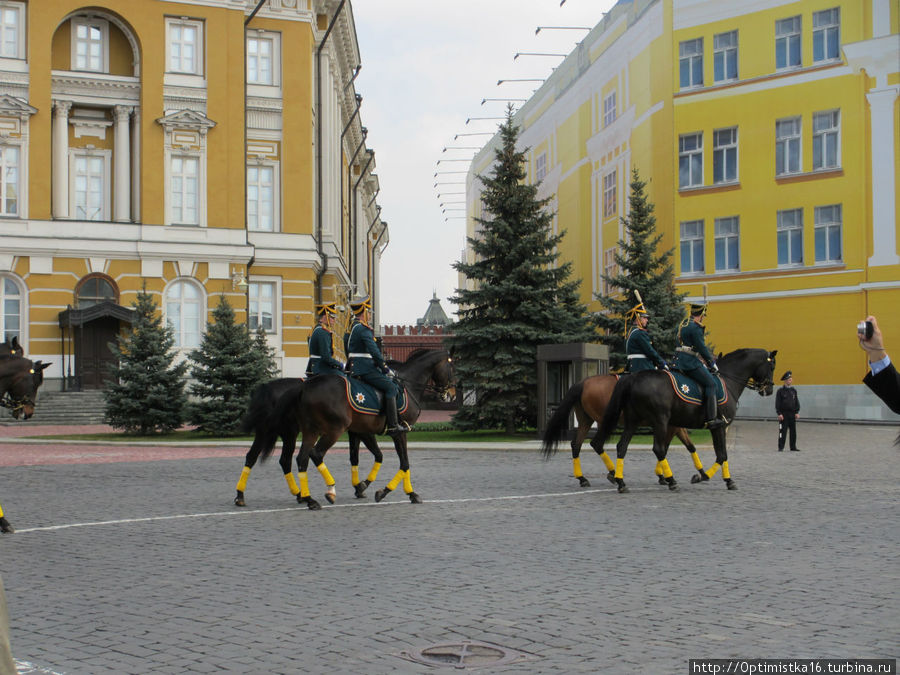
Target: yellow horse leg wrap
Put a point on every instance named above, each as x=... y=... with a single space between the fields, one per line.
x=607 y=461
x=373 y=474
x=326 y=474
x=354 y=475
x=242 y=481
x=1 y=511
x=292 y=484
x=395 y=481
x=713 y=470
x=666 y=469
x=620 y=465
x=726 y=473
x=304 y=484
x=407 y=482
x=576 y=467
x=697 y=463
x=659 y=469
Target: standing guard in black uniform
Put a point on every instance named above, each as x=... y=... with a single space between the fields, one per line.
x=321 y=346
x=787 y=406
x=367 y=363
x=688 y=360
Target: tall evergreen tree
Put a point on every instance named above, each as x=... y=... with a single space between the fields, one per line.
x=146 y=394
x=521 y=297
x=226 y=368
x=641 y=268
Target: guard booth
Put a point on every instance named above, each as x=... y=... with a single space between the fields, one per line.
x=561 y=366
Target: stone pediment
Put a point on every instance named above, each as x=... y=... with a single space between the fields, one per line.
x=15 y=107
x=186 y=119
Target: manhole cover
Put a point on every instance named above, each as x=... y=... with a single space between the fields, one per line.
x=467 y=654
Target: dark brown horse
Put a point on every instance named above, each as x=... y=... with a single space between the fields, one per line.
x=589 y=399
x=11 y=348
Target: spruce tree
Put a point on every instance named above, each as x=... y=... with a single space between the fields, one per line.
x=521 y=297
x=226 y=368
x=643 y=269
x=146 y=394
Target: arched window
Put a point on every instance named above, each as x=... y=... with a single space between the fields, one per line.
x=94 y=289
x=12 y=307
x=184 y=312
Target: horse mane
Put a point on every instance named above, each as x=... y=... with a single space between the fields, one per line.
x=737 y=353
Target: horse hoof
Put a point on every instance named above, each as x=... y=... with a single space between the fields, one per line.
x=583 y=482
x=6 y=527
x=313 y=505
x=662 y=480
x=611 y=477
x=673 y=486
x=330 y=497
x=239 y=500
x=623 y=489
x=381 y=494
x=414 y=498
x=360 y=489
x=730 y=484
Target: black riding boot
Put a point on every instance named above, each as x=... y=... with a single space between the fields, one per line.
x=712 y=419
x=393 y=426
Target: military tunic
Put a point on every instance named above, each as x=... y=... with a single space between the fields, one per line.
x=366 y=360
x=687 y=359
x=640 y=352
x=787 y=404
x=321 y=353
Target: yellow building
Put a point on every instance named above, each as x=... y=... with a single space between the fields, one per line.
x=201 y=148
x=769 y=133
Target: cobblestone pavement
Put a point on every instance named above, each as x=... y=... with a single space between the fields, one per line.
x=146 y=567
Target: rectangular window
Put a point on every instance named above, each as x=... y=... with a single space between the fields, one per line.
x=787 y=43
x=828 y=233
x=261 y=198
x=827 y=35
x=690 y=63
x=727 y=234
x=690 y=160
x=262 y=305
x=787 y=146
x=540 y=167
x=90 y=187
x=692 y=247
x=185 y=46
x=609 y=109
x=610 y=269
x=790 y=237
x=184 y=190
x=609 y=195
x=725 y=55
x=260 y=54
x=90 y=44
x=725 y=155
x=9 y=180
x=826 y=140
x=12 y=30
x=10 y=310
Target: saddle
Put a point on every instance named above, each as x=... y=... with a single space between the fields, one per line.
x=366 y=399
x=689 y=391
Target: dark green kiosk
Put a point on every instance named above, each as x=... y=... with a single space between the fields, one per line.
x=561 y=366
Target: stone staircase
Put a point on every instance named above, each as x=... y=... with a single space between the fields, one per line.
x=64 y=407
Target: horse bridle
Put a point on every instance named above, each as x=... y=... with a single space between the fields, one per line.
x=751 y=383
x=15 y=405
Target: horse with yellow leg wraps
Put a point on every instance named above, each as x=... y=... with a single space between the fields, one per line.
x=649 y=398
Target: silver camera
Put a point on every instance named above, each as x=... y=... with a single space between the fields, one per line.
x=864 y=328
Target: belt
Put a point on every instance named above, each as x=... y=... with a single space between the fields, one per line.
x=636 y=356
x=315 y=356
x=686 y=350
x=355 y=355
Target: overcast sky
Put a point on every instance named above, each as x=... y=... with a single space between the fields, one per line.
x=427 y=65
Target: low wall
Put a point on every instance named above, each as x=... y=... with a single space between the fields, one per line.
x=852 y=403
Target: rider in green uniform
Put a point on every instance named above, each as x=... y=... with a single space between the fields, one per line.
x=638 y=345
x=367 y=362
x=321 y=347
x=688 y=358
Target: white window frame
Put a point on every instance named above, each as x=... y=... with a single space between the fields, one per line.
x=540 y=167
x=725 y=49
x=610 y=268
x=20 y=298
x=688 y=244
x=791 y=228
x=725 y=146
x=609 y=109
x=176 y=218
x=200 y=47
x=827 y=28
x=258 y=88
x=689 y=53
x=692 y=155
x=91 y=22
x=610 y=206
x=827 y=219
x=255 y=305
x=788 y=33
x=788 y=138
x=4 y=168
x=276 y=195
x=727 y=231
x=90 y=153
x=19 y=30
x=179 y=332
x=822 y=135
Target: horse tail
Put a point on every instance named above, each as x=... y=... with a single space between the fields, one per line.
x=259 y=408
x=613 y=410
x=281 y=420
x=559 y=420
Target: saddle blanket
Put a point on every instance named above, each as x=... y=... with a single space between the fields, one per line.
x=364 y=398
x=691 y=392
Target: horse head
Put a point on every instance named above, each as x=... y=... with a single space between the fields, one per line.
x=763 y=377
x=12 y=347
x=22 y=385
x=442 y=377
x=431 y=371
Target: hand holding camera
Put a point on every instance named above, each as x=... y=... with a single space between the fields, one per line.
x=870 y=339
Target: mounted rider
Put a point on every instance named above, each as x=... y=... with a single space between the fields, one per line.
x=638 y=346
x=367 y=363
x=321 y=347
x=688 y=359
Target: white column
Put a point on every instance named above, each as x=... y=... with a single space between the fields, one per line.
x=60 y=154
x=884 y=172
x=136 y=166
x=122 y=163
